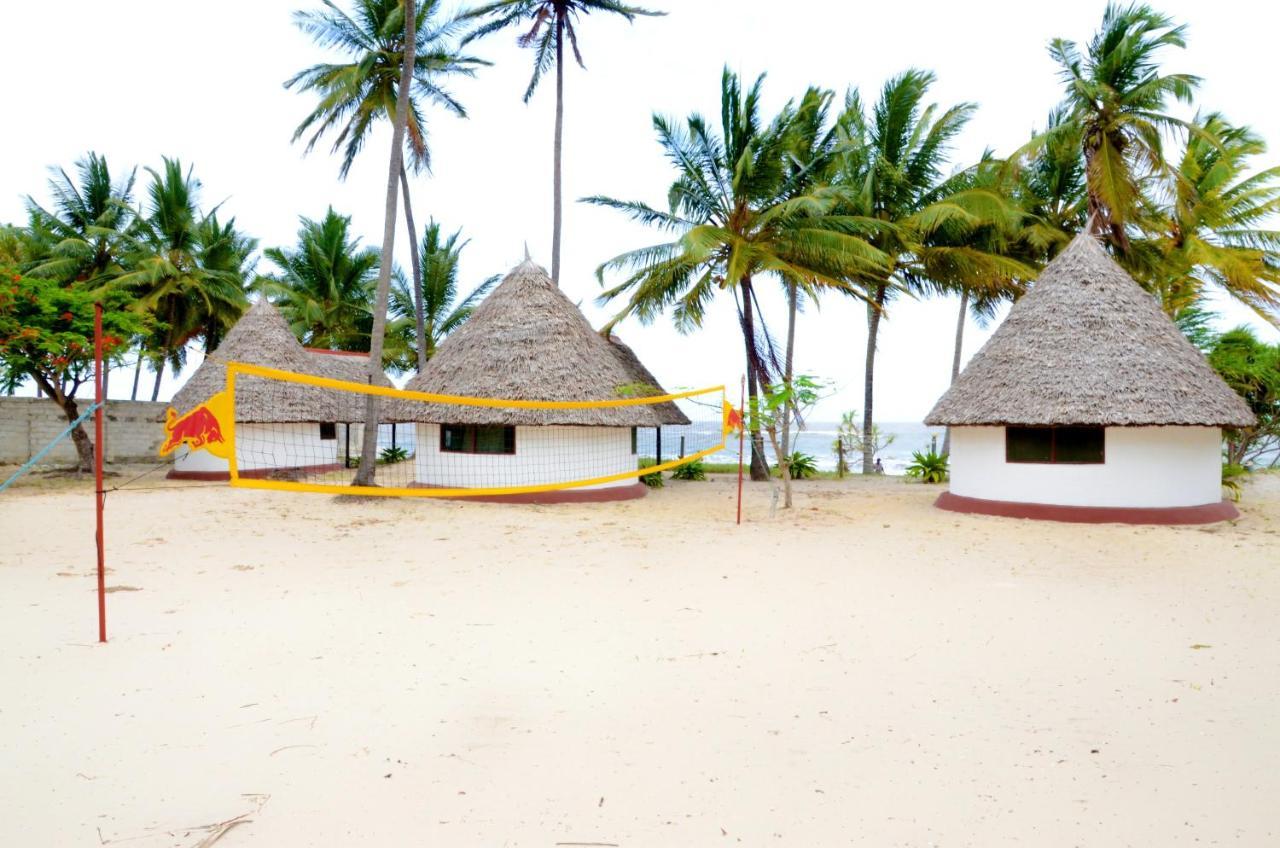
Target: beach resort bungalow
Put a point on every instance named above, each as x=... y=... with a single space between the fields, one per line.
x=279 y=426
x=528 y=341
x=348 y=411
x=1088 y=404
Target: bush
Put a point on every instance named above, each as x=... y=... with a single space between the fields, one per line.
x=690 y=471
x=395 y=454
x=1232 y=478
x=802 y=466
x=928 y=466
x=653 y=481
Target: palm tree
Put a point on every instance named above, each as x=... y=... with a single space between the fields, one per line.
x=1207 y=228
x=356 y=95
x=438 y=292
x=737 y=217
x=369 y=448
x=325 y=285
x=1116 y=98
x=86 y=232
x=188 y=270
x=552 y=23
x=930 y=228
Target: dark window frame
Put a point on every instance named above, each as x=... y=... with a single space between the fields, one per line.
x=331 y=429
x=469 y=439
x=1053 y=446
x=635 y=440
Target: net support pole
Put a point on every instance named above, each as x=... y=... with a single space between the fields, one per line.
x=98 y=450
x=741 y=439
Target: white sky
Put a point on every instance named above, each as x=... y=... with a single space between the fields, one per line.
x=138 y=79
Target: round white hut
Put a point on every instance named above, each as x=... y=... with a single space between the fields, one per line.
x=279 y=426
x=527 y=341
x=1088 y=404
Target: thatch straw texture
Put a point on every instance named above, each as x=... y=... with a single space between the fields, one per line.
x=348 y=407
x=260 y=337
x=527 y=341
x=645 y=383
x=1086 y=345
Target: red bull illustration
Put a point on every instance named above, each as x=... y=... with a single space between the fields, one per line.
x=200 y=429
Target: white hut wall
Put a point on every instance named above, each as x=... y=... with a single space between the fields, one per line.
x=267 y=446
x=1143 y=467
x=552 y=454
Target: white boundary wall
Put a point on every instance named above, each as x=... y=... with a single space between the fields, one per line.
x=268 y=446
x=1145 y=467
x=543 y=455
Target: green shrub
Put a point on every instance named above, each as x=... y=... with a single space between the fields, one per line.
x=393 y=454
x=1232 y=478
x=928 y=466
x=653 y=481
x=690 y=471
x=802 y=466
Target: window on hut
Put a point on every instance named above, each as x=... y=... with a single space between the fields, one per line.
x=328 y=431
x=1060 y=445
x=635 y=439
x=472 y=438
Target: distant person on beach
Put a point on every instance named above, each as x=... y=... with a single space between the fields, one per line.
x=879 y=466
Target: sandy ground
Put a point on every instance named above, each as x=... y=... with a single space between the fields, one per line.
x=865 y=670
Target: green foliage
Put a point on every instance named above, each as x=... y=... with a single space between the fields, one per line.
x=1233 y=476
x=442 y=311
x=324 y=285
x=1252 y=368
x=695 y=470
x=928 y=466
x=802 y=466
x=653 y=481
x=849 y=433
x=393 y=454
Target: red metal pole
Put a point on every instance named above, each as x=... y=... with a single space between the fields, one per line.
x=97 y=468
x=742 y=431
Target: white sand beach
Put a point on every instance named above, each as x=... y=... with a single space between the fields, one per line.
x=865 y=670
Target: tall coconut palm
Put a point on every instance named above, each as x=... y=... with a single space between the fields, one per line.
x=86 y=229
x=551 y=23
x=1116 y=98
x=1208 y=228
x=929 y=226
x=736 y=218
x=439 y=291
x=325 y=284
x=356 y=95
x=188 y=270
x=369 y=447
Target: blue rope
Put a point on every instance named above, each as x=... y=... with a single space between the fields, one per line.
x=30 y=463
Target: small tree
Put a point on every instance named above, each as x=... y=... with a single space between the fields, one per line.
x=850 y=436
x=46 y=334
x=769 y=413
x=1252 y=368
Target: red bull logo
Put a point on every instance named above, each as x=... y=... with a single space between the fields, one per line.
x=199 y=429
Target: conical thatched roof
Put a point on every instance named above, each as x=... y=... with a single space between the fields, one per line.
x=643 y=379
x=350 y=367
x=1086 y=345
x=260 y=337
x=527 y=341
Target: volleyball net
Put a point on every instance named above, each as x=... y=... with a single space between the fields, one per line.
x=301 y=432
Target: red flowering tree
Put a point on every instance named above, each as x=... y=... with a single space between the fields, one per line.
x=46 y=334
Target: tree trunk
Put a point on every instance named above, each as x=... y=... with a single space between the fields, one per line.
x=874 y=311
x=788 y=373
x=79 y=437
x=369 y=447
x=137 y=375
x=415 y=263
x=955 y=357
x=155 y=389
x=759 y=465
x=555 y=215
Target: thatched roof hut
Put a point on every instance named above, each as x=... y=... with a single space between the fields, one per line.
x=528 y=341
x=1088 y=346
x=350 y=367
x=260 y=337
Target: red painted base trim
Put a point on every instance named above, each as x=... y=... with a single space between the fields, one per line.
x=255 y=474
x=610 y=493
x=1204 y=514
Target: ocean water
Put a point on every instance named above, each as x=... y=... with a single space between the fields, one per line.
x=817 y=439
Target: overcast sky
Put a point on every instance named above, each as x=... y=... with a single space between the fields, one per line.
x=138 y=79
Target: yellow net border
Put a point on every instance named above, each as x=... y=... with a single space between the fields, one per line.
x=247 y=369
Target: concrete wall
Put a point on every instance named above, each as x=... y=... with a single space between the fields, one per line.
x=1145 y=467
x=133 y=430
x=543 y=455
x=268 y=446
